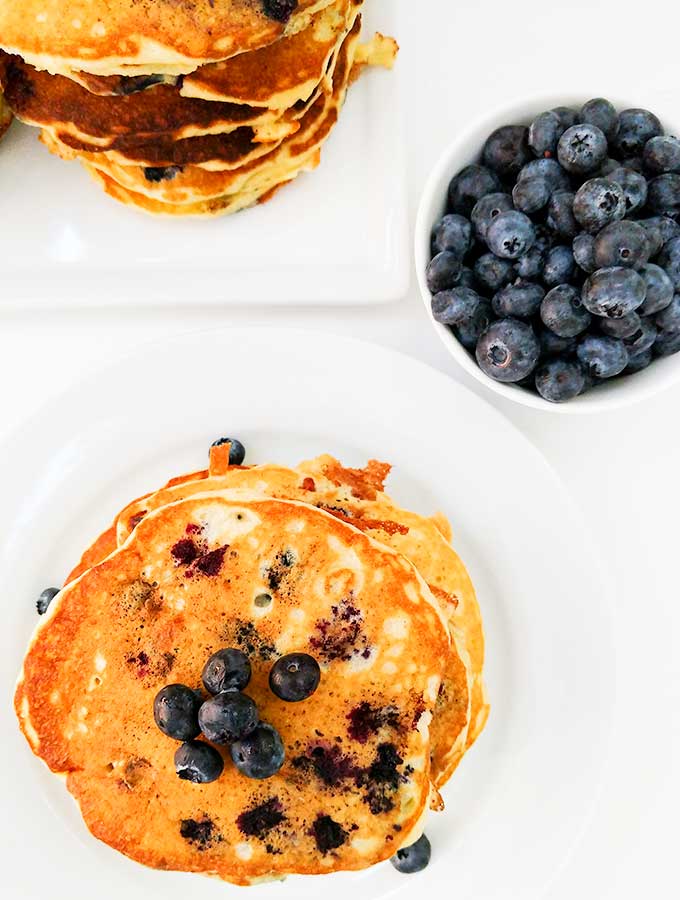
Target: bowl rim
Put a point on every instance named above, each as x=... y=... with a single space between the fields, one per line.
x=618 y=393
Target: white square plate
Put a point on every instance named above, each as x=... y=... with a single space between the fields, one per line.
x=337 y=235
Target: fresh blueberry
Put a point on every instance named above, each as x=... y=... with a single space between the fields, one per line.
x=563 y=313
x=638 y=361
x=237 y=452
x=455 y=307
x=669 y=259
x=608 y=166
x=667 y=343
x=559 y=266
x=568 y=117
x=226 y=670
x=506 y=150
x=636 y=127
x=415 y=858
x=44 y=600
x=598 y=202
x=624 y=327
x=544 y=133
x=531 y=194
x=584 y=252
x=260 y=754
x=521 y=299
x=198 y=762
x=633 y=185
x=659 y=289
x=621 y=244
x=662 y=154
x=634 y=163
x=510 y=235
x=668 y=319
x=613 y=292
x=664 y=194
x=492 y=273
x=469 y=186
x=554 y=345
x=643 y=338
x=443 y=271
x=549 y=169
x=531 y=264
x=294 y=677
x=603 y=357
x=468 y=333
x=453 y=233
x=601 y=113
x=467 y=278
x=582 y=149
x=561 y=215
x=487 y=209
x=559 y=380
x=175 y=711
x=660 y=230
x=228 y=717
x=508 y=350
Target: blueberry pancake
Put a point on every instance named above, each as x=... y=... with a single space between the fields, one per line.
x=269 y=578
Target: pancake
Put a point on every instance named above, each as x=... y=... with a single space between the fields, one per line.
x=136 y=37
x=5 y=115
x=355 y=782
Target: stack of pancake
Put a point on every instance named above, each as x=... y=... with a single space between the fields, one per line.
x=185 y=108
x=273 y=560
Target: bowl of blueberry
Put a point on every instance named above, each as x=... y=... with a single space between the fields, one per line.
x=548 y=253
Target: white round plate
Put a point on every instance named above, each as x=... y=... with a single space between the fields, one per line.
x=519 y=801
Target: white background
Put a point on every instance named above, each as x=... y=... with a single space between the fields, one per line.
x=458 y=60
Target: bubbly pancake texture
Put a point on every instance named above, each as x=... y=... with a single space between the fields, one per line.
x=355 y=783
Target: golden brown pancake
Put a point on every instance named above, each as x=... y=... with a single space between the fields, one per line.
x=185 y=585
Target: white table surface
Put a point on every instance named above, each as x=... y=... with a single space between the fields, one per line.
x=458 y=60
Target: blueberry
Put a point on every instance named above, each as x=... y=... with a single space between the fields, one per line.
x=622 y=244
x=549 y=169
x=602 y=113
x=443 y=271
x=453 y=233
x=636 y=127
x=613 y=292
x=598 y=202
x=662 y=154
x=468 y=333
x=561 y=214
x=294 y=677
x=510 y=235
x=659 y=289
x=522 y=299
x=559 y=266
x=584 y=252
x=467 y=278
x=487 y=209
x=531 y=194
x=415 y=858
x=508 y=350
x=558 y=380
x=643 y=338
x=544 y=133
x=603 y=357
x=669 y=259
x=280 y=10
x=506 y=150
x=667 y=343
x=582 y=149
x=634 y=163
x=198 y=762
x=608 y=166
x=664 y=194
x=237 y=452
x=492 y=273
x=226 y=670
x=531 y=264
x=624 y=327
x=455 y=307
x=228 y=717
x=563 y=313
x=469 y=186
x=660 y=230
x=175 y=711
x=567 y=116
x=554 y=345
x=44 y=600
x=638 y=361
x=668 y=319
x=260 y=754
x=633 y=185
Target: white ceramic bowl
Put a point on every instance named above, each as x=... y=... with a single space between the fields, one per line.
x=465 y=149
